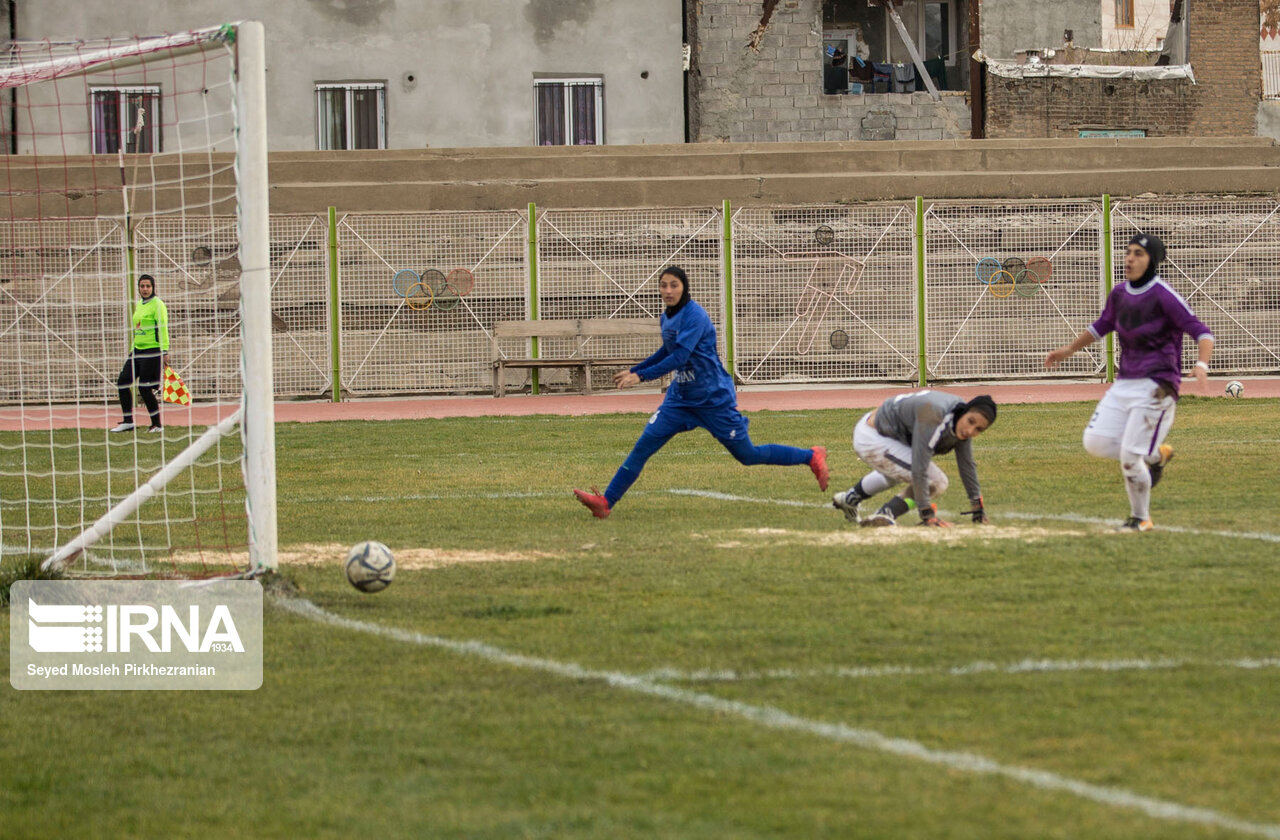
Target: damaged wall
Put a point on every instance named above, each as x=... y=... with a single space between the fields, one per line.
x=756 y=76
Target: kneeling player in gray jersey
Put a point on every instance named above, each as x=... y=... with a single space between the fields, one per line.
x=898 y=441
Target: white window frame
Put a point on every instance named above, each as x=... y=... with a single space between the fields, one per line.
x=596 y=82
x=916 y=28
x=347 y=103
x=149 y=124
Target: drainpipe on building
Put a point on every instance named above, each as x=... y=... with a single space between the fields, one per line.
x=13 y=92
x=686 y=59
x=977 y=77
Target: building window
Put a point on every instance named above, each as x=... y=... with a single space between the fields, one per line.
x=1124 y=14
x=865 y=31
x=351 y=115
x=569 y=112
x=126 y=119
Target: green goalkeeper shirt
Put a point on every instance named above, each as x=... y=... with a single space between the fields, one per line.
x=151 y=325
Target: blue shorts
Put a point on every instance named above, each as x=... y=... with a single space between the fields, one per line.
x=726 y=425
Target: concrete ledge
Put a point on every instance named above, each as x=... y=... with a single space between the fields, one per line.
x=683 y=175
x=773 y=189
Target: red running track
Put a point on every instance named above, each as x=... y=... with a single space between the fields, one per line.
x=611 y=402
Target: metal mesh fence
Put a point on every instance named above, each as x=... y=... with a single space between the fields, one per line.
x=419 y=294
x=65 y=293
x=820 y=294
x=606 y=264
x=824 y=293
x=1006 y=282
x=1224 y=259
x=300 y=335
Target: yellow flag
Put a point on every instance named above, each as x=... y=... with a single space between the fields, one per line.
x=175 y=390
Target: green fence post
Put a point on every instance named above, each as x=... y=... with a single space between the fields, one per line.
x=335 y=306
x=726 y=244
x=1106 y=282
x=533 y=288
x=920 y=296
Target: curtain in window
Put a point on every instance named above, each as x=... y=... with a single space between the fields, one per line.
x=584 y=115
x=550 y=114
x=364 y=118
x=148 y=105
x=332 y=106
x=1124 y=12
x=106 y=122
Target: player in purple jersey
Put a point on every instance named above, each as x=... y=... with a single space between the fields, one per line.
x=701 y=395
x=1136 y=413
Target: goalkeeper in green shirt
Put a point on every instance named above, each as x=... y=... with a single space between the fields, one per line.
x=148 y=358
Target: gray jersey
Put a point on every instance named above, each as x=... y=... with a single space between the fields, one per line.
x=924 y=421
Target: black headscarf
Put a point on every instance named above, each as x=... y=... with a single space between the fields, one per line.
x=154 y=290
x=1155 y=250
x=679 y=273
x=982 y=404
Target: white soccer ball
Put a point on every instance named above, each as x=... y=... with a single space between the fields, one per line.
x=370 y=566
x=1235 y=388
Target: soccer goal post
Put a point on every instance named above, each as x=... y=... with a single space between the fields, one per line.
x=136 y=382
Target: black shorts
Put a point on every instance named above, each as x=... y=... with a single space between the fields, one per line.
x=142 y=368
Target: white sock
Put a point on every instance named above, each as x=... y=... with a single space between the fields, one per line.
x=1137 y=483
x=873 y=483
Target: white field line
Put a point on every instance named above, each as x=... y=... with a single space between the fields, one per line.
x=998 y=514
x=774 y=718
x=728 y=497
x=1026 y=666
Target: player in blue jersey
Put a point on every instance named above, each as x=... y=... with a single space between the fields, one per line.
x=701 y=395
x=1135 y=415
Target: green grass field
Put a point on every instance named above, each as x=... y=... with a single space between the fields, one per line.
x=707 y=667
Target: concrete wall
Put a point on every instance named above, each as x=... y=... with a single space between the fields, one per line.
x=774 y=92
x=1150 y=22
x=1269 y=119
x=473 y=63
x=1011 y=25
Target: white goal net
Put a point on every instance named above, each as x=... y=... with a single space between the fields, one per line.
x=133 y=280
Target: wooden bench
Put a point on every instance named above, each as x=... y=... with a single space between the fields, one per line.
x=578 y=333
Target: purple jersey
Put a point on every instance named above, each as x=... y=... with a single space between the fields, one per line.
x=1150 y=321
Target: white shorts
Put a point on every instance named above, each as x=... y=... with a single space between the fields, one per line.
x=1132 y=416
x=890 y=456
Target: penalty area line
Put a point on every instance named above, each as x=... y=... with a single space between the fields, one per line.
x=774 y=718
x=1027 y=517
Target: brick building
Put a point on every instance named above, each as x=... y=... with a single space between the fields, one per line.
x=1223 y=100
x=756 y=71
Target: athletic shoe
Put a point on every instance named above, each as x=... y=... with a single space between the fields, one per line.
x=848 y=501
x=879 y=519
x=156 y=430
x=818 y=463
x=1133 y=523
x=1157 y=469
x=126 y=426
x=597 y=504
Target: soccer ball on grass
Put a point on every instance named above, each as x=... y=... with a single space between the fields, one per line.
x=370 y=566
x=1235 y=388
